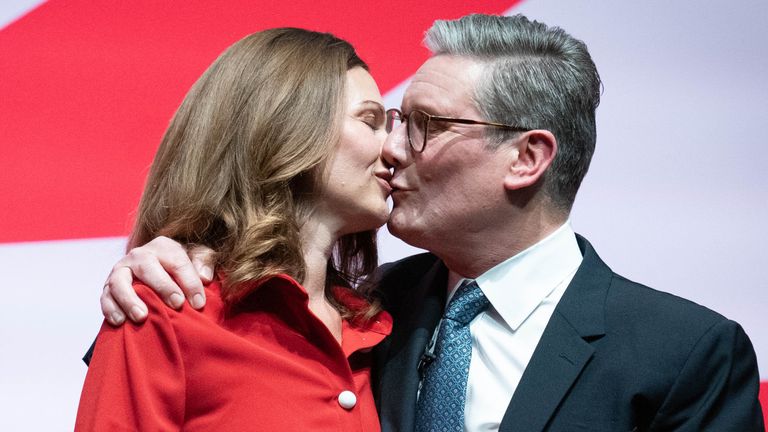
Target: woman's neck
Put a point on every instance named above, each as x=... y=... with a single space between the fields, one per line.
x=317 y=243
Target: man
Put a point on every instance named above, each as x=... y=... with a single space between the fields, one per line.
x=512 y=322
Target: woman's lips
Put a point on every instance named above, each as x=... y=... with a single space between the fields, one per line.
x=384 y=185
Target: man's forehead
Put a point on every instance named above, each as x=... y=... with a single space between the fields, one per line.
x=443 y=82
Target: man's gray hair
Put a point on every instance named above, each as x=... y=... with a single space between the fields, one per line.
x=536 y=77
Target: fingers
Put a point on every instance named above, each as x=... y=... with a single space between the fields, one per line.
x=109 y=308
x=119 y=297
x=156 y=272
x=164 y=266
x=202 y=258
x=175 y=277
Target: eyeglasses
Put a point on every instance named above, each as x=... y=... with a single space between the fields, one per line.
x=418 y=125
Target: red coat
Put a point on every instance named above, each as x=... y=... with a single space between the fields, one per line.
x=271 y=366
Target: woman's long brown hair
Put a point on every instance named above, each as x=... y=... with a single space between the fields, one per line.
x=240 y=163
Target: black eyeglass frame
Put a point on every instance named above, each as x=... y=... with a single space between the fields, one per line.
x=392 y=112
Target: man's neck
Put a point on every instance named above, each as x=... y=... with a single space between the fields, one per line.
x=470 y=256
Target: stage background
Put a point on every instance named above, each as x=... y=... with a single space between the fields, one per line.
x=676 y=198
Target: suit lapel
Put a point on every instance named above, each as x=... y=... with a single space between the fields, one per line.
x=555 y=365
x=562 y=352
x=413 y=329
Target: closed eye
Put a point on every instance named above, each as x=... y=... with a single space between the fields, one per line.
x=373 y=121
x=372 y=114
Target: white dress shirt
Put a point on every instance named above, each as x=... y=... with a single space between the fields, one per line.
x=523 y=292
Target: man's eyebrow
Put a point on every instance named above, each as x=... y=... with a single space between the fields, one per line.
x=429 y=109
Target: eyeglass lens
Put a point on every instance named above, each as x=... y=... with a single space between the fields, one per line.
x=416 y=126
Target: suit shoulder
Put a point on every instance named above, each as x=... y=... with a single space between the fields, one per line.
x=632 y=302
x=393 y=279
x=406 y=268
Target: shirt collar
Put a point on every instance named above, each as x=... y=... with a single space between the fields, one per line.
x=517 y=286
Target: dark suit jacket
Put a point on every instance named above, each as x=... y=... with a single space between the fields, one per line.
x=615 y=356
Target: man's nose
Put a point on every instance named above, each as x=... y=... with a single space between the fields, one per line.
x=396 y=152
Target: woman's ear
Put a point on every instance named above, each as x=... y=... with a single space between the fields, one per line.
x=536 y=150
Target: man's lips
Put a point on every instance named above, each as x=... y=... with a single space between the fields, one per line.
x=396 y=187
x=398 y=195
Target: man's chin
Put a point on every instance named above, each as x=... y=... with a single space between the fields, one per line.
x=396 y=223
x=398 y=227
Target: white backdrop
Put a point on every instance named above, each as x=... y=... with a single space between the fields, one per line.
x=676 y=197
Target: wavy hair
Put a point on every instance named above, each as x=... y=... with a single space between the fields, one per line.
x=241 y=162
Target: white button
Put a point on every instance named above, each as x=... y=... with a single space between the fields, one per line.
x=347 y=399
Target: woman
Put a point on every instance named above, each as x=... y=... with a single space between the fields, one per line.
x=272 y=161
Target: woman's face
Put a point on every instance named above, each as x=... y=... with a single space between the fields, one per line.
x=357 y=181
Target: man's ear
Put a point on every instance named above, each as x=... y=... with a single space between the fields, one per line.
x=536 y=150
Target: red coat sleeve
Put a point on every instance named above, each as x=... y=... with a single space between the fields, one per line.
x=136 y=380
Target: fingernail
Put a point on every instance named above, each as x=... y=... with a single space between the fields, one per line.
x=198 y=300
x=137 y=313
x=206 y=272
x=176 y=300
x=116 y=318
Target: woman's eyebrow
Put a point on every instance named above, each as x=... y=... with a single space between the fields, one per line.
x=370 y=104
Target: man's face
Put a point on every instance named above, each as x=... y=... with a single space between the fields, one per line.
x=455 y=186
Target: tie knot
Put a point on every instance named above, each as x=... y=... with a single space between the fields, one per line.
x=466 y=303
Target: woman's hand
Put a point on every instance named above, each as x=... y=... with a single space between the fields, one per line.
x=165 y=266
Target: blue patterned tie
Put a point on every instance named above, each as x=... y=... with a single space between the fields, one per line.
x=444 y=386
